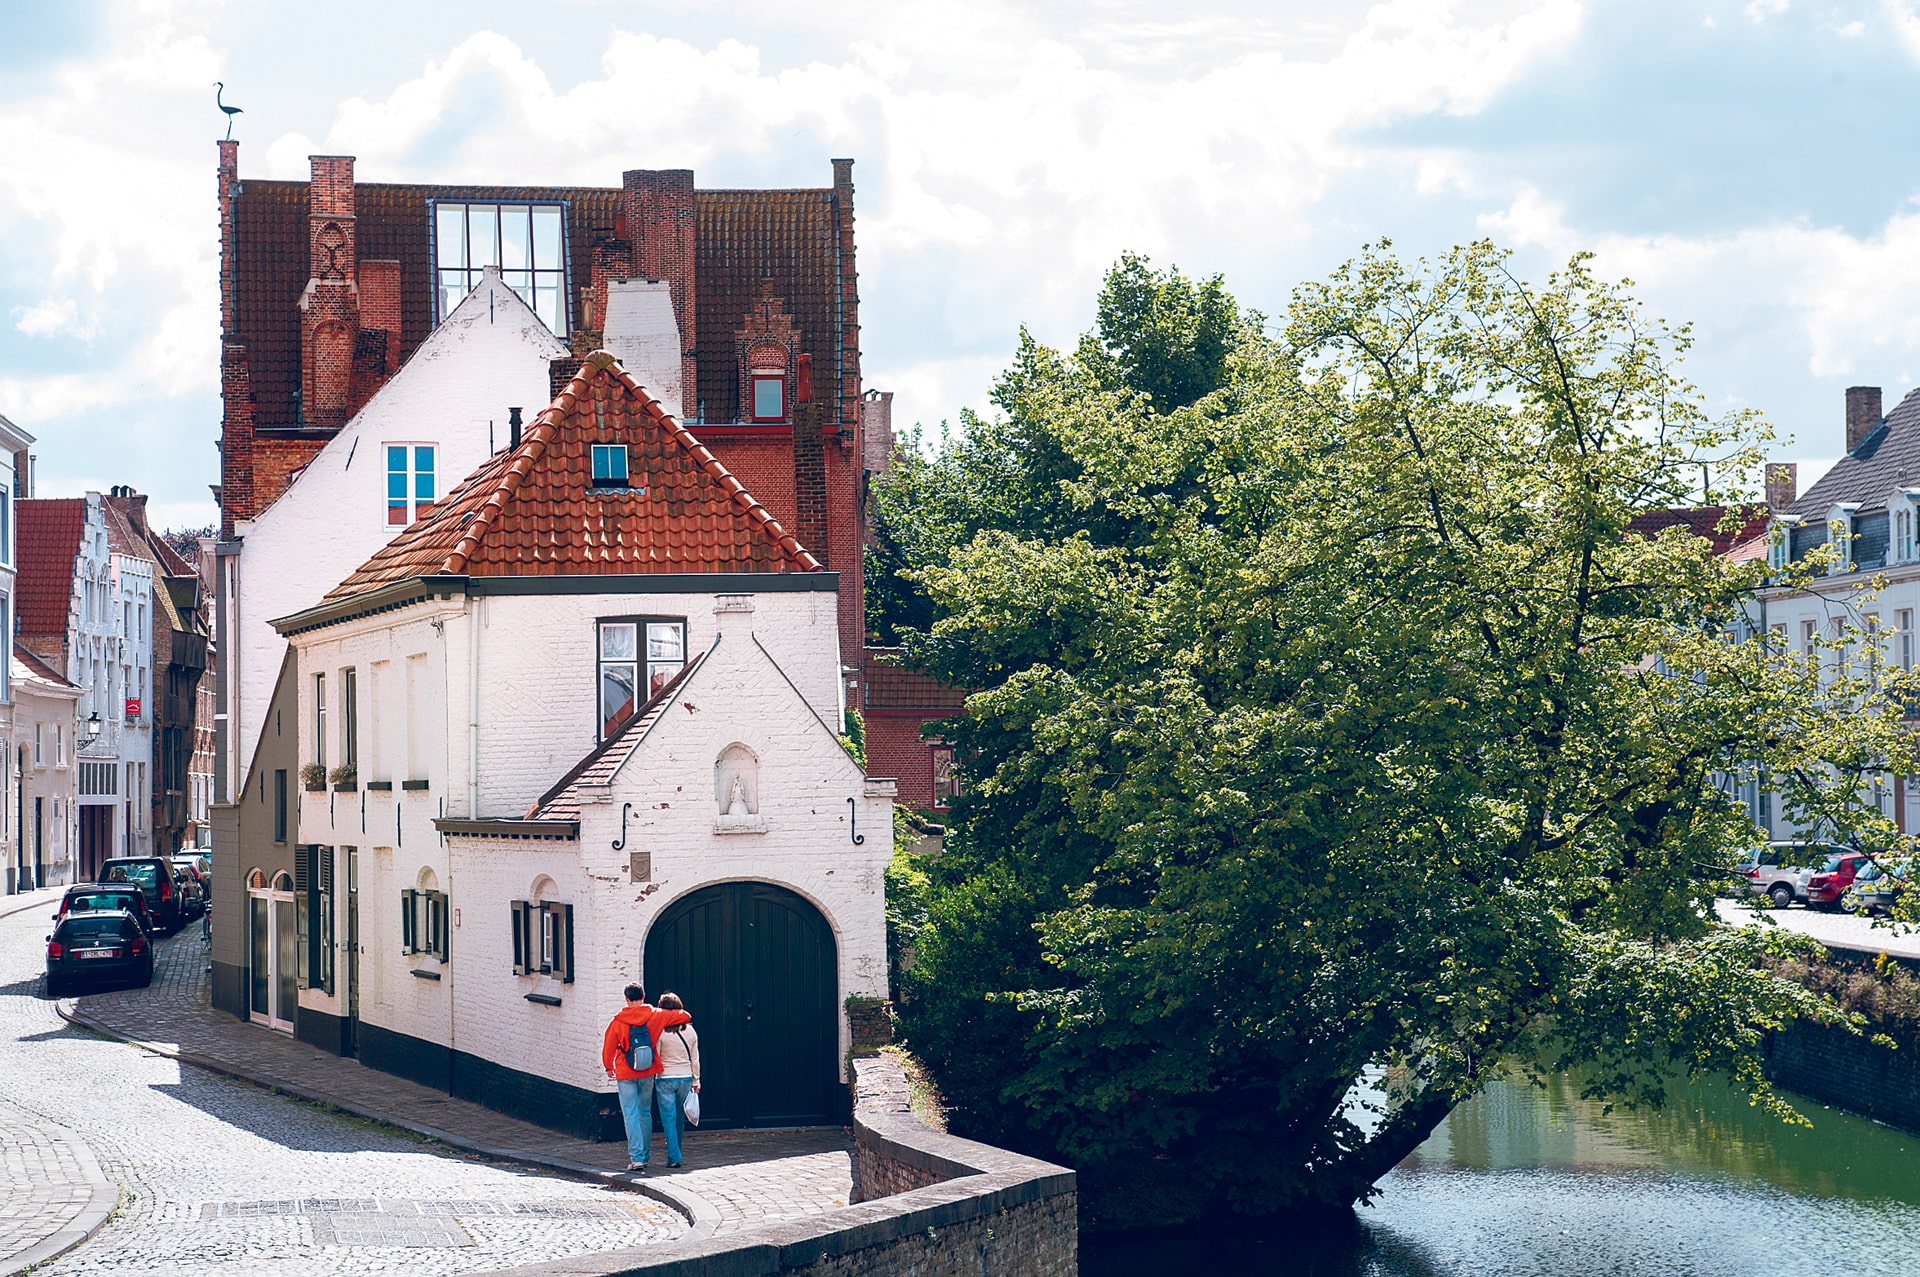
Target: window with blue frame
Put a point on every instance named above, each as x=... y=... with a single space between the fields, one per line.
x=410 y=482
x=610 y=465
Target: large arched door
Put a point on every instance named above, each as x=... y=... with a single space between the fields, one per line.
x=755 y=965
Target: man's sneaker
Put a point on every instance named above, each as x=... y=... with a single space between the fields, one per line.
x=635 y=1168
x=673 y=1166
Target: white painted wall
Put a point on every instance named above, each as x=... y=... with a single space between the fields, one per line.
x=491 y=354
x=641 y=331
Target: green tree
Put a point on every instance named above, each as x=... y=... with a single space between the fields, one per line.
x=1338 y=746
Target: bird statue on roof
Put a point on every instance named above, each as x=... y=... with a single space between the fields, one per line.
x=218 y=89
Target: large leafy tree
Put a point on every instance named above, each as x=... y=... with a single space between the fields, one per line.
x=1337 y=744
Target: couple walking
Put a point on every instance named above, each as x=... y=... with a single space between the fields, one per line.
x=652 y=1052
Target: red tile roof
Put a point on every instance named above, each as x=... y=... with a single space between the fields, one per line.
x=49 y=531
x=562 y=802
x=531 y=510
x=891 y=685
x=1703 y=521
x=39 y=668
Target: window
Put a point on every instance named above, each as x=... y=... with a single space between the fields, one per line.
x=320 y=720
x=622 y=665
x=1903 y=538
x=349 y=718
x=313 y=903
x=609 y=465
x=410 y=482
x=6 y=526
x=37 y=759
x=280 y=804
x=526 y=241
x=59 y=745
x=1903 y=641
x=946 y=784
x=423 y=922
x=1872 y=652
x=769 y=397
x=543 y=939
x=1809 y=638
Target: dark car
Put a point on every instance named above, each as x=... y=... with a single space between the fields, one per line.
x=1830 y=880
x=93 y=897
x=155 y=876
x=98 y=945
x=193 y=899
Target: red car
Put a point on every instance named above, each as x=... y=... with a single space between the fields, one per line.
x=1830 y=881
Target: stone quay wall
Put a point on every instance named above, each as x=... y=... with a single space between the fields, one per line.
x=926 y=1204
x=1850 y=1072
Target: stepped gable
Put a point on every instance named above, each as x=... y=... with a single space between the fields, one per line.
x=532 y=510
x=48 y=531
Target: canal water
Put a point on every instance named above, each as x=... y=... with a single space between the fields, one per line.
x=1524 y=1182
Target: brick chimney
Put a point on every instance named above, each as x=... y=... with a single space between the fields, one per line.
x=809 y=464
x=330 y=304
x=1783 y=485
x=846 y=395
x=236 y=384
x=1863 y=414
x=657 y=207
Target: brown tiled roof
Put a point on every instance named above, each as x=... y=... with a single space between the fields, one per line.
x=891 y=685
x=531 y=510
x=1702 y=521
x=741 y=238
x=562 y=802
x=39 y=668
x=49 y=530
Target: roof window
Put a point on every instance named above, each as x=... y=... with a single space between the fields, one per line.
x=609 y=465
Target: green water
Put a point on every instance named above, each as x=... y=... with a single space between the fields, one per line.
x=1524 y=1182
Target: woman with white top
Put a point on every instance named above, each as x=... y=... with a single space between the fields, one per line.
x=679 y=1074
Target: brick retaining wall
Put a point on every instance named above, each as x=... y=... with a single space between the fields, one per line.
x=926 y=1204
x=1850 y=1072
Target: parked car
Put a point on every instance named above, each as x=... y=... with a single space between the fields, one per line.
x=202 y=879
x=1876 y=886
x=1830 y=881
x=193 y=900
x=94 y=897
x=1781 y=869
x=99 y=944
x=153 y=875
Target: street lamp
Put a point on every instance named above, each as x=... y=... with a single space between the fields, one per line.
x=93 y=727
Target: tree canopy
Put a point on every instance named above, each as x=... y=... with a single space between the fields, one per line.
x=1336 y=743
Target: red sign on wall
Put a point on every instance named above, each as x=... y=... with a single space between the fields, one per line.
x=133 y=707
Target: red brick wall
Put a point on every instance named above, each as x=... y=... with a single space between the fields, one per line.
x=894 y=748
x=275 y=460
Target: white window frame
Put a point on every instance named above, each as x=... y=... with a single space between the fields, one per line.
x=648 y=662
x=461 y=256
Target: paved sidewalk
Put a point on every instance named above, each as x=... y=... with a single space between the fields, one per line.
x=53 y=1195
x=1835 y=930
x=732 y=1179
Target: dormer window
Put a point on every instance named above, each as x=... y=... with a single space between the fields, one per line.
x=1780 y=542
x=610 y=465
x=527 y=242
x=769 y=396
x=1840 y=531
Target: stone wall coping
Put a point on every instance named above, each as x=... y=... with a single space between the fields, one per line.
x=984 y=1181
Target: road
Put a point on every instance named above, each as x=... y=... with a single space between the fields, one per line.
x=1841 y=930
x=214 y=1175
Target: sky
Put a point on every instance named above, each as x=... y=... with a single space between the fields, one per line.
x=1748 y=164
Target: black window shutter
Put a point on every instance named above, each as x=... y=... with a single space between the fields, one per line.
x=520 y=937
x=407 y=938
x=566 y=943
x=445 y=929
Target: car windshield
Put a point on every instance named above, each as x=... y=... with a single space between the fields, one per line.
x=1867 y=873
x=78 y=927
x=145 y=875
x=1832 y=866
x=102 y=900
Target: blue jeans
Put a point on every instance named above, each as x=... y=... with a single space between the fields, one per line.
x=672 y=1092
x=636 y=1109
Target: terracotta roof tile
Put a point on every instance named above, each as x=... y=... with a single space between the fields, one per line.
x=892 y=685
x=531 y=510
x=1702 y=521
x=38 y=668
x=49 y=531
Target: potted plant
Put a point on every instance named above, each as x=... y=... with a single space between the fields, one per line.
x=314 y=777
x=346 y=777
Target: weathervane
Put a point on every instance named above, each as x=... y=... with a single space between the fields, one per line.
x=218 y=89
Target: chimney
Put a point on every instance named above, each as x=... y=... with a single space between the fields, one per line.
x=809 y=464
x=513 y=428
x=657 y=206
x=22 y=474
x=1783 y=485
x=1863 y=414
x=845 y=396
x=330 y=304
x=876 y=431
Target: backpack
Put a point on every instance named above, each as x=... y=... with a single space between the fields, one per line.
x=639 y=1048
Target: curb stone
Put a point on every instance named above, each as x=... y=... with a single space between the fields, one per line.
x=103 y=1199
x=701 y=1215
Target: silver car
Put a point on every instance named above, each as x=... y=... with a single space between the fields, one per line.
x=1781 y=869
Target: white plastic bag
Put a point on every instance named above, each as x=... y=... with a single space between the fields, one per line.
x=692 y=1108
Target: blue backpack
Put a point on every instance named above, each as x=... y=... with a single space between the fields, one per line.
x=639 y=1048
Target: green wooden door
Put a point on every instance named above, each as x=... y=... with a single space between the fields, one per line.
x=755 y=966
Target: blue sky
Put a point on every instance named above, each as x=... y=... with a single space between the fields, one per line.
x=1748 y=165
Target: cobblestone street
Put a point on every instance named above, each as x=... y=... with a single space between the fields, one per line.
x=212 y=1175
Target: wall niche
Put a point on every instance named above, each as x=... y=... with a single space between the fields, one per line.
x=736 y=792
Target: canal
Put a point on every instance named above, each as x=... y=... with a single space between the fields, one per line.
x=1524 y=1182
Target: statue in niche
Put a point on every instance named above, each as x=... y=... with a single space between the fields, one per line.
x=737 y=798
x=736 y=792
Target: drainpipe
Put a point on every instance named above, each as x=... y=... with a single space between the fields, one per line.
x=473 y=714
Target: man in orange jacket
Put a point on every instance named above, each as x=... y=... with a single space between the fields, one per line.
x=636 y=1085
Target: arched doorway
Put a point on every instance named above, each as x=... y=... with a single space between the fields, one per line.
x=756 y=966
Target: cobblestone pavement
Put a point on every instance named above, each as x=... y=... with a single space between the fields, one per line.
x=731 y=1180
x=217 y=1176
x=1844 y=930
x=52 y=1192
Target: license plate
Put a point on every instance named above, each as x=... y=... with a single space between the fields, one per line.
x=101 y=953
